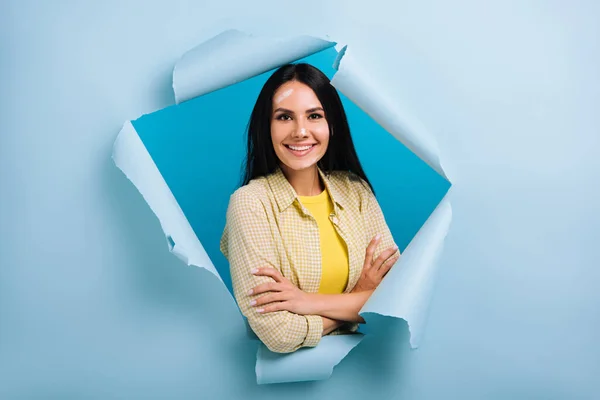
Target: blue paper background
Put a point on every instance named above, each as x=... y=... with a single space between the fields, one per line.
x=92 y=305
x=199 y=147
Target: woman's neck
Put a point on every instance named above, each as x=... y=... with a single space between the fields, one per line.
x=305 y=182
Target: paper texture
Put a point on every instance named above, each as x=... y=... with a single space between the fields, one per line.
x=216 y=64
x=130 y=155
x=305 y=364
x=233 y=56
x=406 y=290
x=359 y=87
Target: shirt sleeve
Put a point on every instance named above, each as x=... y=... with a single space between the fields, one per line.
x=375 y=223
x=247 y=243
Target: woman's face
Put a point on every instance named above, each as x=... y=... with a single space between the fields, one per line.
x=299 y=129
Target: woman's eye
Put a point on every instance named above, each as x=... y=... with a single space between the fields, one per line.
x=315 y=116
x=283 y=117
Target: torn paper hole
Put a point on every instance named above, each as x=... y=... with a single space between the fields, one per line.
x=175 y=157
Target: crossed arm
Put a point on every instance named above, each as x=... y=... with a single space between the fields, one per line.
x=281 y=294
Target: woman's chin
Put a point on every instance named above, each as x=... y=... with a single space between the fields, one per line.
x=297 y=166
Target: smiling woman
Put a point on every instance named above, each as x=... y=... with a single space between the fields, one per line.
x=305 y=237
x=299 y=129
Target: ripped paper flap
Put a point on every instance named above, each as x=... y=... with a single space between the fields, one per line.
x=154 y=153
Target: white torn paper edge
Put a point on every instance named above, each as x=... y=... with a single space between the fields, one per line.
x=233 y=57
x=358 y=86
x=213 y=65
x=131 y=156
x=407 y=289
x=307 y=363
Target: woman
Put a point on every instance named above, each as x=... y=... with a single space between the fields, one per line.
x=305 y=237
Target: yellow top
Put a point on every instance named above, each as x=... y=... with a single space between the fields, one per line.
x=334 y=255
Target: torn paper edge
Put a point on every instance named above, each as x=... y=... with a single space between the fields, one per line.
x=214 y=64
x=369 y=95
x=131 y=156
x=133 y=159
x=190 y=79
x=301 y=360
x=406 y=291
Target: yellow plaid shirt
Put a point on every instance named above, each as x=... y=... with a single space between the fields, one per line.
x=268 y=226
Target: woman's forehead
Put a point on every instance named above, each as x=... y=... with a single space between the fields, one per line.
x=293 y=93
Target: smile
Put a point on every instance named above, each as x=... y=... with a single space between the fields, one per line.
x=299 y=150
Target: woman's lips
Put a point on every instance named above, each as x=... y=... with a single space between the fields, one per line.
x=301 y=153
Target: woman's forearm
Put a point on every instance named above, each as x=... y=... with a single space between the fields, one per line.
x=342 y=307
x=330 y=325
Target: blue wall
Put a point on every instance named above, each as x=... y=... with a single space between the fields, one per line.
x=200 y=147
x=92 y=305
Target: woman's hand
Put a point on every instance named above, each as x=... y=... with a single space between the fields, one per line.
x=374 y=270
x=281 y=295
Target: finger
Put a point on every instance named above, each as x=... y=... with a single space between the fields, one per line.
x=384 y=256
x=272 y=307
x=387 y=265
x=375 y=239
x=268 y=271
x=265 y=287
x=268 y=298
x=371 y=250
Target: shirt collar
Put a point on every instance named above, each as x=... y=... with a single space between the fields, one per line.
x=285 y=193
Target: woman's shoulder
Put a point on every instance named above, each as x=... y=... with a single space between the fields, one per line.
x=251 y=194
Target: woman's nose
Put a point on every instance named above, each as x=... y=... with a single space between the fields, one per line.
x=300 y=130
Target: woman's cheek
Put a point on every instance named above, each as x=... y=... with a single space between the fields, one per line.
x=323 y=130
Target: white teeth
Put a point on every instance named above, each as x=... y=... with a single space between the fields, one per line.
x=300 y=148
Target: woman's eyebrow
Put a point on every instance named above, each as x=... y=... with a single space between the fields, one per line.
x=283 y=110
x=310 y=110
